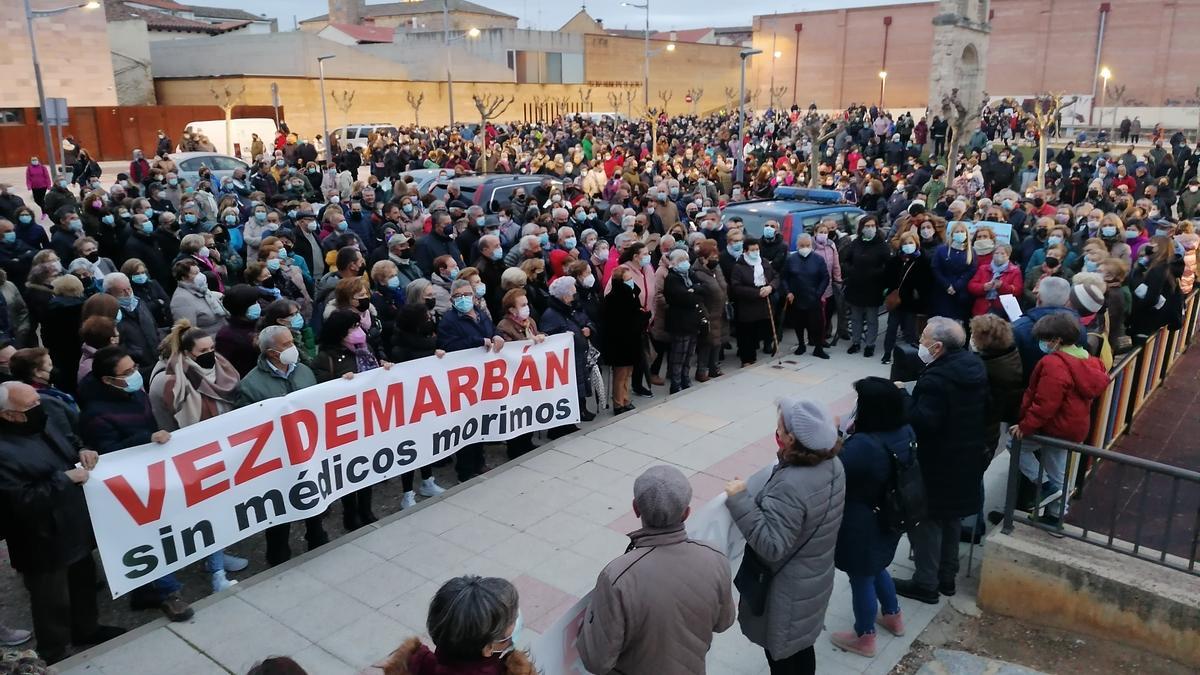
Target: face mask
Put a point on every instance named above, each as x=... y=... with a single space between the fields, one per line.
x=924 y=354
x=200 y=282
x=868 y=233
x=683 y=267
x=753 y=258
x=1045 y=346
x=10 y=237
x=768 y=232
x=207 y=360
x=544 y=239
x=1054 y=240
x=984 y=246
x=463 y=304
x=1090 y=266
x=1131 y=234
x=644 y=261
x=736 y=248
x=1144 y=261
x=630 y=283
x=63 y=184
x=25 y=219
x=999 y=260
x=523 y=313
x=34 y=163
x=290 y=356
x=1006 y=204
x=804 y=252
x=132 y=383
x=260 y=216
x=139 y=279
x=1108 y=231
x=231 y=219
x=569 y=243
x=908 y=249
x=203 y=252
x=149 y=213
x=273 y=264
x=75 y=225
x=393 y=282
x=335 y=199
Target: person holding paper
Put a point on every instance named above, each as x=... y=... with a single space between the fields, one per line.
x=999 y=277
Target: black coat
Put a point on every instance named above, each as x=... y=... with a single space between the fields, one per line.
x=806 y=278
x=949 y=411
x=60 y=335
x=44 y=515
x=622 y=308
x=144 y=248
x=414 y=336
x=863 y=547
x=743 y=292
x=864 y=266
x=914 y=277
x=685 y=312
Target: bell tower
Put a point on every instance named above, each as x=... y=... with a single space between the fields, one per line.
x=960 y=44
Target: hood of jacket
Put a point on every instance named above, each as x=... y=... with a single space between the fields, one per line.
x=1089 y=380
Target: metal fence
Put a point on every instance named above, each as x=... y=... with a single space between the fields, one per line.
x=1140 y=483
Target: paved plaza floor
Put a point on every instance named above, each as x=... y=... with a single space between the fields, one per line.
x=548 y=522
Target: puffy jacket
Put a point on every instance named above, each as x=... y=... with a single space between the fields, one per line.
x=786 y=507
x=265 y=382
x=807 y=278
x=1058 y=402
x=113 y=419
x=863 y=547
x=1011 y=283
x=1027 y=344
x=863 y=264
x=654 y=610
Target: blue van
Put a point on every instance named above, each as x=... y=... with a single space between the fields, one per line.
x=797 y=210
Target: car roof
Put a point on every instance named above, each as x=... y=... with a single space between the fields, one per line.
x=481 y=179
x=179 y=156
x=784 y=206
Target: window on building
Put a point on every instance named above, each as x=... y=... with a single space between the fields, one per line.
x=554 y=68
x=12 y=115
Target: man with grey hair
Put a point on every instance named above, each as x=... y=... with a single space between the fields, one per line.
x=529 y=247
x=654 y=609
x=1053 y=297
x=949 y=412
x=138 y=330
x=279 y=372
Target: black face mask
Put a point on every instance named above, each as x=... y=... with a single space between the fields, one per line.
x=207 y=360
x=430 y=303
x=362 y=304
x=93 y=256
x=35 y=422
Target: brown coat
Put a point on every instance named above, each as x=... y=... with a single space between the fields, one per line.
x=397 y=663
x=654 y=610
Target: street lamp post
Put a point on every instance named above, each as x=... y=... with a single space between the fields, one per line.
x=1105 y=74
x=646 y=51
x=472 y=33
x=30 y=15
x=740 y=161
x=882 y=86
x=324 y=108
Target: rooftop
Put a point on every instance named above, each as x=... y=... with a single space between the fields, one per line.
x=369 y=34
x=419 y=7
x=120 y=10
x=224 y=13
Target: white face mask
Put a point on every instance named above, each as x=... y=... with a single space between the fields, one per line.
x=289 y=356
x=924 y=354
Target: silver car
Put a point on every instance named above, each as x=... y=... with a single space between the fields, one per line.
x=220 y=165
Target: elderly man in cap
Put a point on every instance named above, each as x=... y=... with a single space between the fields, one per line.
x=654 y=610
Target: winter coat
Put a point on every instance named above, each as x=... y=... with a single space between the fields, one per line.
x=414 y=658
x=431 y=247
x=1011 y=283
x=1005 y=385
x=1027 y=344
x=742 y=289
x=950 y=268
x=334 y=362
x=833 y=263
x=60 y=335
x=1058 y=402
x=782 y=508
x=112 y=419
x=713 y=294
x=265 y=382
x=201 y=308
x=458 y=331
x=912 y=276
x=949 y=410
x=685 y=314
x=621 y=308
x=863 y=265
x=806 y=278
x=654 y=610
x=1145 y=318
x=45 y=518
x=237 y=341
x=864 y=548
x=140 y=337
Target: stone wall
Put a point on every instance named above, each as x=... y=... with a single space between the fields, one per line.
x=132 y=73
x=72 y=49
x=613 y=60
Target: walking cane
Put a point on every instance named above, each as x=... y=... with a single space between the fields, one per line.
x=774 y=333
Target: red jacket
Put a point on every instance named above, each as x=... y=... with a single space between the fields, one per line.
x=1010 y=284
x=1058 y=402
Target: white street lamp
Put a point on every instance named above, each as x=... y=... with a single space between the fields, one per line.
x=324 y=110
x=739 y=160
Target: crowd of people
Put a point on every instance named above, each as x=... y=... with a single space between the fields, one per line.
x=134 y=307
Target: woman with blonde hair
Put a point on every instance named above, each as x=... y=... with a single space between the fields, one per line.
x=1112 y=232
x=192 y=383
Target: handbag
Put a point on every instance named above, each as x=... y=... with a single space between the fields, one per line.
x=892 y=301
x=754 y=576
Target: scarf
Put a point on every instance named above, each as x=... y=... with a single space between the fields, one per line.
x=193 y=394
x=760 y=278
x=997 y=272
x=364 y=359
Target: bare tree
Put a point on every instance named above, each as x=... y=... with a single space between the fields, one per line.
x=731 y=98
x=614 y=100
x=777 y=94
x=1118 y=97
x=415 y=102
x=651 y=115
x=819 y=130
x=696 y=95
x=959 y=118
x=564 y=104
x=227 y=99
x=585 y=98
x=490 y=107
x=344 y=103
x=630 y=94
x=665 y=95
x=1045 y=115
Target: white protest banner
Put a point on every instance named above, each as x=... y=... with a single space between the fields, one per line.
x=1003 y=230
x=157 y=508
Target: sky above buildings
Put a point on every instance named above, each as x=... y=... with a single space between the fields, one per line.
x=550 y=14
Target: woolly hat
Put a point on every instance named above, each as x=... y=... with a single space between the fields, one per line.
x=1088 y=292
x=661 y=494
x=810 y=422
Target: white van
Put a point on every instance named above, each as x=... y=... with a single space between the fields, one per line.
x=358 y=135
x=242 y=131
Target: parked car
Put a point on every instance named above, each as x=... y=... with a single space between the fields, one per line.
x=796 y=210
x=242 y=132
x=189 y=164
x=492 y=191
x=426 y=178
x=357 y=135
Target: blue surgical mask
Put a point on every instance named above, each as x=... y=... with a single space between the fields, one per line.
x=296 y=322
x=1046 y=347
x=10 y=237
x=133 y=382
x=149 y=213
x=544 y=239
x=1090 y=266
x=868 y=233
x=1054 y=240
x=908 y=249
x=959 y=237
x=128 y=304
x=481 y=290
x=393 y=282
x=768 y=232
x=254 y=311
x=190 y=218
x=408 y=208
x=1108 y=231
x=120 y=315
x=1131 y=233
x=343 y=226
x=139 y=279
x=736 y=248
x=753 y=258
x=497 y=253
x=25 y=219
x=570 y=243
x=147 y=227
x=292 y=214
x=260 y=216
x=630 y=283
x=231 y=219
x=75 y=225
x=453 y=273
x=645 y=260
x=464 y=304
x=480 y=221
x=683 y=267
x=273 y=264
x=581 y=216
x=108 y=219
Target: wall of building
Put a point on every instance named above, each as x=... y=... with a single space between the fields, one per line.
x=68 y=46
x=288 y=54
x=387 y=101
x=132 y=73
x=485 y=57
x=621 y=61
x=430 y=21
x=1035 y=46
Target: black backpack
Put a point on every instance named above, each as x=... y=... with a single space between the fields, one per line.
x=903 y=503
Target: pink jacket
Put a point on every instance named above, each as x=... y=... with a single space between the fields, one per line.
x=829 y=252
x=37 y=177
